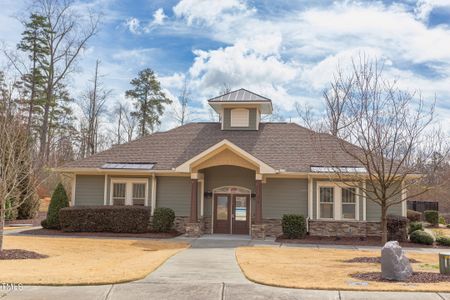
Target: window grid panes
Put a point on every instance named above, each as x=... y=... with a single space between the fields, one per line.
x=119 y=192
x=326 y=202
x=138 y=194
x=348 y=203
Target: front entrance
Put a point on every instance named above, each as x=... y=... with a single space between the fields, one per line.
x=231 y=213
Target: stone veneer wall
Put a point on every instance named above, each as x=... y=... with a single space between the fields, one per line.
x=181 y=222
x=268 y=228
x=344 y=228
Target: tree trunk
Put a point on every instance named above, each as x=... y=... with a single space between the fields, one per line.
x=384 y=231
x=2 y=222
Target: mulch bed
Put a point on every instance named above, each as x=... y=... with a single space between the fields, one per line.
x=372 y=260
x=348 y=241
x=7 y=254
x=417 y=277
x=52 y=232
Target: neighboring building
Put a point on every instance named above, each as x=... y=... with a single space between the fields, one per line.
x=237 y=176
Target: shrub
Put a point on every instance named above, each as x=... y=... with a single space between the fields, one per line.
x=413 y=226
x=414 y=216
x=397 y=227
x=442 y=220
x=163 y=219
x=432 y=217
x=443 y=240
x=119 y=219
x=421 y=237
x=448 y=225
x=294 y=226
x=59 y=200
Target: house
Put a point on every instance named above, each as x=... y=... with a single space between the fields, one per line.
x=236 y=176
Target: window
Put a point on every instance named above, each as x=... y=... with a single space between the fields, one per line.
x=139 y=194
x=337 y=201
x=348 y=203
x=118 y=195
x=129 y=191
x=326 y=202
x=240 y=117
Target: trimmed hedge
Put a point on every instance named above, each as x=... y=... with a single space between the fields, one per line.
x=119 y=219
x=443 y=240
x=397 y=227
x=163 y=219
x=421 y=237
x=442 y=220
x=294 y=226
x=432 y=217
x=59 y=200
x=413 y=226
x=414 y=216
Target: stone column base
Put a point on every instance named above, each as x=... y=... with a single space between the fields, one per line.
x=194 y=229
x=258 y=231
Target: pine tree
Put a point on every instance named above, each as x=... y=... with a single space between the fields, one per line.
x=33 y=43
x=149 y=101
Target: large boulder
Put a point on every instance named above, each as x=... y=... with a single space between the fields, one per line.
x=394 y=264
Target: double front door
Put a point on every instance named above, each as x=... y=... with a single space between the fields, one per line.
x=231 y=213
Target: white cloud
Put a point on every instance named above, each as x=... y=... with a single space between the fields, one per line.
x=425 y=7
x=159 y=16
x=133 y=25
x=210 y=12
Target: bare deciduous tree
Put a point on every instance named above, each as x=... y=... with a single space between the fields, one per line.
x=92 y=104
x=15 y=166
x=181 y=112
x=386 y=132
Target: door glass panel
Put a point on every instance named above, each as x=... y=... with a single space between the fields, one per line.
x=241 y=209
x=222 y=207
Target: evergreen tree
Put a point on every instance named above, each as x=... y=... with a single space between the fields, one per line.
x=59 y=200
x=33 y=43
x=149 y=101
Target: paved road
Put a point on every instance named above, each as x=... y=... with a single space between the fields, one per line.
x=208 y=270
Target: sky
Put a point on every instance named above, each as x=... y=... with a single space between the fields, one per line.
x=285 y=50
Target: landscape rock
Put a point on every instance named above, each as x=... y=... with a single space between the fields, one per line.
x=394 y=264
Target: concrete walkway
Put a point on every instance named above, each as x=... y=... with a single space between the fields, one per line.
x=208 y=270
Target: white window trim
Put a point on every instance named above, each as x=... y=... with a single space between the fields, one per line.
x=244 y=118
x=337 y=200
x=128 y=189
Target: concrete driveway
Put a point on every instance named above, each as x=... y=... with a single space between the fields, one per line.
x=208 y=270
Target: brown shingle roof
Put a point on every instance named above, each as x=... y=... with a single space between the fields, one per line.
x=285 y=146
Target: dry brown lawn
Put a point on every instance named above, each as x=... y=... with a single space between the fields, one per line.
x=85 y=261
x=326 y=269
x=15 y=227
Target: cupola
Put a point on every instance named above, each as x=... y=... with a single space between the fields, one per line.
x=241 y=109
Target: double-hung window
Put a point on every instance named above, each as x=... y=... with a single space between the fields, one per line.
x=129 y=192
x=327 y=202
x=348 y=203
x=337 y=202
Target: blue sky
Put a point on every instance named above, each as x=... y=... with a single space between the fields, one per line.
x=286 y=50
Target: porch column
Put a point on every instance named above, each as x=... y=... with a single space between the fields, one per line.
x=194 y=188
x=258 y=208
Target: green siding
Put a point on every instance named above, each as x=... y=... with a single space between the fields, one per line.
x=175 y=193
x=284 y=196
x=252 y=120
x=89 y=189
